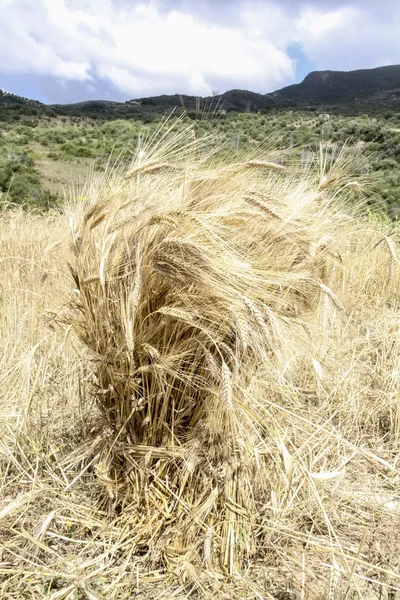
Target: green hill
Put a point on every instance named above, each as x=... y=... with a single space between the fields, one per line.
x=364 y=90
x=365 y=86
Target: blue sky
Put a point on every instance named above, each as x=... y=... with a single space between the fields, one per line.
x=60 y=51
x=303 y=65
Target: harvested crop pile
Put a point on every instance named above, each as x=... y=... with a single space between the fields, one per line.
x=210 y=298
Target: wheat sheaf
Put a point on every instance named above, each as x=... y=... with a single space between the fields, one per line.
x=197 y=302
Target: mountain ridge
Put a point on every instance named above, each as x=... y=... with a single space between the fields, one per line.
x=341 y=86
x=357 y=89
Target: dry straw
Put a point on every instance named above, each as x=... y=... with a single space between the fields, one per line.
x=200 y=287
x=245 y=364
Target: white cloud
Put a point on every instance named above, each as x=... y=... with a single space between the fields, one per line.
x=23 y=52
x=123 y=80
x=269 y=20
x=198 y=85
x=136 y=47
x=315 y=24
x=349 y=38
x=146 y=47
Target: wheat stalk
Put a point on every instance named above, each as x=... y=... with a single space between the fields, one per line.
x=392 y=247
x=334 y=582
x=152 y=168
x=257 y=164
x=177 y=313
x=158 y=219
x=227 y=387
x=262 y=205
x=207 y=547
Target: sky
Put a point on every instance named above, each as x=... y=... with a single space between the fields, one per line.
x=61 y=51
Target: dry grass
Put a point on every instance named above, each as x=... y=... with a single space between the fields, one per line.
x=223 y=417
x=58 y=176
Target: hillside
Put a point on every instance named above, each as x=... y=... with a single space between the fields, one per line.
x=352 y=92
x=373 y=88
x=10 y=99
x=376 y=88
x=333 y=87
x=147 y=108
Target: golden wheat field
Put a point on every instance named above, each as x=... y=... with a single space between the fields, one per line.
x=200 y=385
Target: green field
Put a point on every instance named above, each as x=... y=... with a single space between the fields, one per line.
x=43 y=155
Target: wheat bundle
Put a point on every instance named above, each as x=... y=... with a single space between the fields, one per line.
x=198 y=286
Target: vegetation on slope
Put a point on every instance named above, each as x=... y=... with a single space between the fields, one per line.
x=379 y=86
x=43 y=155
x=350 y=92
